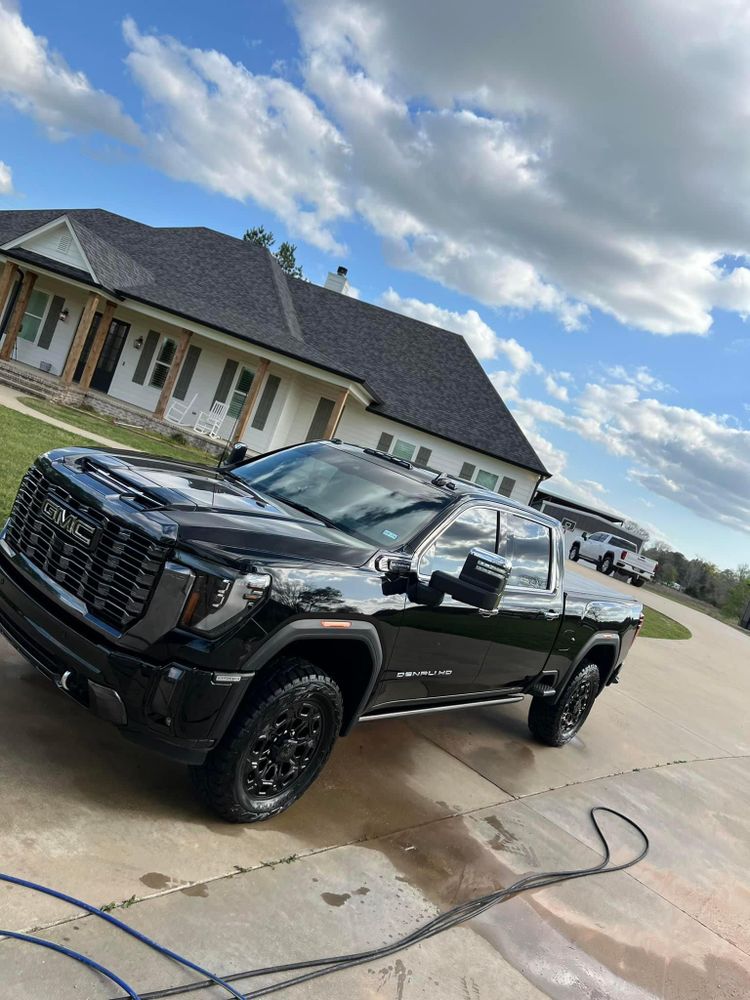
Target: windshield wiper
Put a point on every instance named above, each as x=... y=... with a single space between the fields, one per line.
x=307 y=510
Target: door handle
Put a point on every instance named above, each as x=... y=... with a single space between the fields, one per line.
x=550 y=613
x=489 y=614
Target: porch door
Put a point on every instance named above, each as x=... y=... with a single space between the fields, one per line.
x=111 y=351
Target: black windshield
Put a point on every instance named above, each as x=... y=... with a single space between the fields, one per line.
x=359 y=496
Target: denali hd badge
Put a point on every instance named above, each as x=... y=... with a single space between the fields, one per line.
x=69 y=523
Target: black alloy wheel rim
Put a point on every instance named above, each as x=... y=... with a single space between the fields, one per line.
x=577 y=708
x=284 y=749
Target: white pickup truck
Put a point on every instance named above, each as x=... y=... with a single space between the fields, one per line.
x=612 y=553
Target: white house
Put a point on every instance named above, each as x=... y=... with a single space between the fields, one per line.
x=127 y=315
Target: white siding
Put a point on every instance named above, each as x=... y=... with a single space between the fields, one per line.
x=58 y=244
x=357 y=426
x=57 y=352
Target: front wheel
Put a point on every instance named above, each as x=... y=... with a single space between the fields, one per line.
x=276 y=746
x=575 y=552
x=556 y=724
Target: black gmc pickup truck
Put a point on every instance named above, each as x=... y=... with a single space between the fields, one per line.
x=240 y=619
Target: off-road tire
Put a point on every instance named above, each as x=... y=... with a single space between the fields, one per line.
x=575 y=552
x=221 y=781
x=608 y=565
x=550 y=722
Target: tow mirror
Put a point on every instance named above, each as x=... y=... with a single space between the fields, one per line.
x=481 y=582
x=584 y=535
x=237 y=453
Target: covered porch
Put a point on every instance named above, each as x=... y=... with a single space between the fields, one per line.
x=135 y=363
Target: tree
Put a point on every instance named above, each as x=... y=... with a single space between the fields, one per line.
x=286 y=254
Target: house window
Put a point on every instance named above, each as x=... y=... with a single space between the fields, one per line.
x=402 y=449
x=384 y=442
x=239 y=395
x=486 y=479
x=506 y=486
x=163 y=363
x=32 y=318
x=467 y=471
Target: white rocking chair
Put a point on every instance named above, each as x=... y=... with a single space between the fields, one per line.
x=178 y=410
x=210 y=422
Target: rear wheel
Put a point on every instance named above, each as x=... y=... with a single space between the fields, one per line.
x=276 y=746
x=575 y=551
x=556 y=724
x=608 y=565
x=637 y=581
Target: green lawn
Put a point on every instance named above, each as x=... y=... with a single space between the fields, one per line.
x=659 y=626
x=158 y=444
x=23 y=439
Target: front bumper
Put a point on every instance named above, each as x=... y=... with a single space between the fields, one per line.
x=178 y=710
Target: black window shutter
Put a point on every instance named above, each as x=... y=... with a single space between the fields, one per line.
x=186 y=372
x=384 y=442
x=319 y=421
x=467 y=471
x=506 y=486
x=423 y=457
x=226 y=381
x=50 y=323
x=266 y=402
x=147 y=354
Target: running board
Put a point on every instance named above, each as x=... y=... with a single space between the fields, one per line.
x=509 y=699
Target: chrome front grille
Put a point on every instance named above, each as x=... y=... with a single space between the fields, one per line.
x=114 y=575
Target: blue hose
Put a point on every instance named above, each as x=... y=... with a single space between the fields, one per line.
x=83 y=959
x=14 y=880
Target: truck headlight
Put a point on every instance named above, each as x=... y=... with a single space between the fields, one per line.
x=215 y=601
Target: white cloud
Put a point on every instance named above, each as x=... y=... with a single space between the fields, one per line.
x=641 y=377
x=480 y=337
x=243 y=134
x=6 y=179
x=554 y=388
x=514 y=154
x=697 y=460
x=38 y=81
x=511 y=154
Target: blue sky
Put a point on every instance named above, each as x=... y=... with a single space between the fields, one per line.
x=582 y=224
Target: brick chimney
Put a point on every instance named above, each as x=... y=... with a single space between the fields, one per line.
x=337 y=282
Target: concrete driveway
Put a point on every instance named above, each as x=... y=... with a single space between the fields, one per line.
x=408 y=819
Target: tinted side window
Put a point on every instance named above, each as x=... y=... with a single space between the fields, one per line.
x=475 y=528
x=529 y=546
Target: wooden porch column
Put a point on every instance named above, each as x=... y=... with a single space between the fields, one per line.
x=335 y=417
x=174 y=371
x=250 y=400
x=84 y=326
x=7 y=280
x=96 y=348
x=11 y=331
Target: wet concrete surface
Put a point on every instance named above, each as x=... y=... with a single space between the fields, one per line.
x=407 y=820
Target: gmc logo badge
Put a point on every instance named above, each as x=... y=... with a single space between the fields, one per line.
x=66 y=520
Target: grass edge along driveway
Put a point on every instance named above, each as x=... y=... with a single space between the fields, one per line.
x=24 y=438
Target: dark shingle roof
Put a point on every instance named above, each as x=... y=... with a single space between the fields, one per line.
x=420 y=375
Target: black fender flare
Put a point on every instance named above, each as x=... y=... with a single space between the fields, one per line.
x=608 y=638
x=359 y=631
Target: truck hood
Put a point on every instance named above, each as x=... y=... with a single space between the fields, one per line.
x=218 y=515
